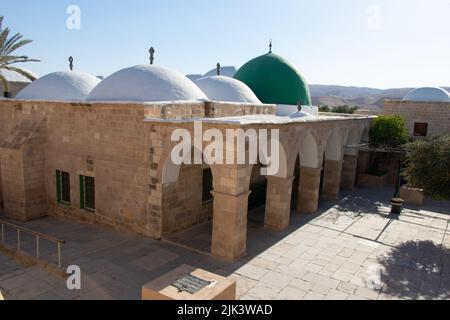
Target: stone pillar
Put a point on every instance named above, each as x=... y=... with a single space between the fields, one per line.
x=349 y=165
x=331 y=179
x=229 y=235
x=309 y=189
x=278 y=203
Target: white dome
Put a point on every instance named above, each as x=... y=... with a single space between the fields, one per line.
x=60 y=86
x=12 y=76
x=432 y=94
x=221 y=88
x=145 y=83
x=227 y=71
x=194 y=77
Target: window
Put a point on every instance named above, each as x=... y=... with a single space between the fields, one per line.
x=87 y=193
x=420 y=129
x=62 y=187
x=207 y=185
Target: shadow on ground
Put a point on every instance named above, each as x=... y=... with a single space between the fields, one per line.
x=413 y=269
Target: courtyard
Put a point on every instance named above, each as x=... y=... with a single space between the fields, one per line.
x=351 y=249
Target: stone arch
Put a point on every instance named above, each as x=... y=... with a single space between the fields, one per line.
x=335 y=144
x=309 y=152
x=353 y=138
x=170 y=171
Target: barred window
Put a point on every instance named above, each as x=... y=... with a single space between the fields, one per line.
x=87 y=193
x=62 y=187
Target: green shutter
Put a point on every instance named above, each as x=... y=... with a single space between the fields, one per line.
x=58 y=186
x=81 y=192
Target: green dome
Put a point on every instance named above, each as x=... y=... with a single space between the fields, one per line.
x=274 y=80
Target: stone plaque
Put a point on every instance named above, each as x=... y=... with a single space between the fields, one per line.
x=190 y=284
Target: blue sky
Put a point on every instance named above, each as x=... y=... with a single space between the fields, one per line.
x=377 y=43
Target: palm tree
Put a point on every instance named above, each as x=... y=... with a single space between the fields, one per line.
x=7 y=58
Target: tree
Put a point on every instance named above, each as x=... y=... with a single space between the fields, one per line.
x=8 y=45
x=388 y=131
x=428 y=166
x=345 y=109
x=324 y=108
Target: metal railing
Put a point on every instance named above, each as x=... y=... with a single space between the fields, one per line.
x=38 y=236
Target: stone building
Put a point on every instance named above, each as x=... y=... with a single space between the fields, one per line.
x=16 y=81
x=101 y=153
x=426 y=111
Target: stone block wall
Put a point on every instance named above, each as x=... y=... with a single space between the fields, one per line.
x=23 y=167
x=436 y=114
x=182 y=201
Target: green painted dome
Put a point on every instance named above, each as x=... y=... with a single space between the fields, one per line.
x=274 y=80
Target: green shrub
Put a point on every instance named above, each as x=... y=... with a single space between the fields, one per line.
x=344 y=109
x=388 y=131
x=324 y=108
x=428 y=166
x=338 y=109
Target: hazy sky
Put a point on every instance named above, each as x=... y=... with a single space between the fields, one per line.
x=378 y=43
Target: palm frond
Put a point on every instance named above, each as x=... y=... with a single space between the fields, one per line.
x=7 y=46
x=3 y=37
x=14 y=46
x=22 y=72
x=10 y=43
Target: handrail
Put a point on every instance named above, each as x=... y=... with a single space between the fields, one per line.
x=37 y=234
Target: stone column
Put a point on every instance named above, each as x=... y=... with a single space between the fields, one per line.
x=229 y=235
x=278 y=203
x=308 y=201
x=349 y=166
x=331 y=179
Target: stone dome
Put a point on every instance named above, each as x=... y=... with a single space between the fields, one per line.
x=274 y=80
x=60 y=86
x=431 y=94
x=146 y=83
x=222 y=88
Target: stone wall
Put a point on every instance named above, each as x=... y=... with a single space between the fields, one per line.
x=14 y=88
x=108 y=142
x=182 y=201
x=436 y=114
x=23 y=168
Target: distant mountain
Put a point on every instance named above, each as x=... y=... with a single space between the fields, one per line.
x=365 y=98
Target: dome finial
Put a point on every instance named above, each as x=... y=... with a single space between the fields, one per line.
x=218 y=68
x=71 y=63
x=270 y=46
x=152 y=54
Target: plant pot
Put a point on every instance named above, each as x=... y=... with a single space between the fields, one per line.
x=397 y=205
x=413 y=196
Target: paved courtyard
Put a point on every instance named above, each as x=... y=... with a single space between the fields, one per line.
x=353 y=249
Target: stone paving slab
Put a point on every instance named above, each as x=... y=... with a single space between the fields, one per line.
x=351 y=250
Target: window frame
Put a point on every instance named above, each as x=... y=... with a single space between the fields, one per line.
x=60 y=186
x=83 y=193
x=419 y=125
